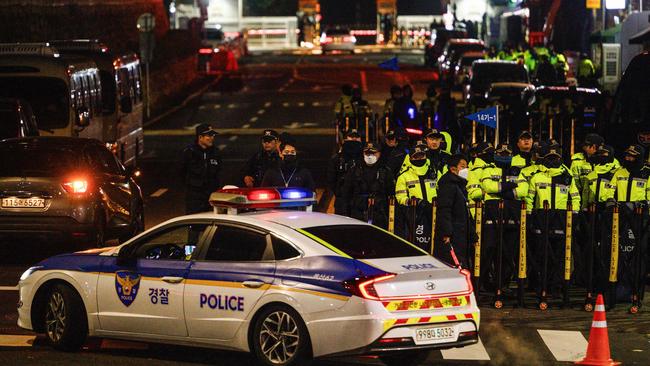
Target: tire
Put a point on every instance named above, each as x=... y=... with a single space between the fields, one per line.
x=295 y=342
x=407 y=358
x=66 y=324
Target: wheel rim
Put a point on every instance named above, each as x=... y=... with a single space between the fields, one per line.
x=279 y=337
x=55 y=319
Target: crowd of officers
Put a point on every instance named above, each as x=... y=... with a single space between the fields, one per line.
x=513 y=215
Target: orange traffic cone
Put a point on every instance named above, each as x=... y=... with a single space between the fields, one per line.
x=598 y=347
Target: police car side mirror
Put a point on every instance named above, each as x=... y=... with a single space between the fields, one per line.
x=125 y=258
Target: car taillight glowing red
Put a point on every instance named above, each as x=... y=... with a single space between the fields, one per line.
x=205 y=51
x=327 y=40
x=365 y=287
x=76 y=186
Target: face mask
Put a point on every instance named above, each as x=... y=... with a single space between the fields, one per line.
x=370 y=159
x=289 y=159
x=419 y=163
x=631 y=165
x=463 y=173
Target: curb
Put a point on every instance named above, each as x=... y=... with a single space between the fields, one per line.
x=185 y=102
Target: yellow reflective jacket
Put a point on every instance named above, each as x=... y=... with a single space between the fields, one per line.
x=491 y=183
x=524 y=179
x=554 y=185
x=343 y=107
x=625 y=189
x=599 y=185
x=410 y=183
x=474 y=190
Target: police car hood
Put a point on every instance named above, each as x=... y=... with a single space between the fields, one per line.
x=420 y=276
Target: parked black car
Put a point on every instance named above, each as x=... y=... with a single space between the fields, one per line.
x=67 y=188
x=16 y=119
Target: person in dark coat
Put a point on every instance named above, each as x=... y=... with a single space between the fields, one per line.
x=200 y=169
x=288 y=172
x=350 y=155
x=254 y=170
x=454 y=224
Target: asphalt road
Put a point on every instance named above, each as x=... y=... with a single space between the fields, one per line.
x=295 y=92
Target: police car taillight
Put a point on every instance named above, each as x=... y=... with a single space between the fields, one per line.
x=253 y=198
x=365 y=286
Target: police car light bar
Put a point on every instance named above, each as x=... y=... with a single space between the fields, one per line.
x=262 y=198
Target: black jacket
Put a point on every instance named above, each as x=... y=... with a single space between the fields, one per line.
x=361 y=183
x=281 y=175
x=257 y=165
x=453 y=216
x=200 y=168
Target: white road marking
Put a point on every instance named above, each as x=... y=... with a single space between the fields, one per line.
x=231 y=105
x=246 y=126
x=7 y=340
x=267 y=104
x=301 y=104
x=9 y=288
x=253 y=119
x=473 y=352
x=315 y=104
x=202 y=107
x=565 y=345
x=159 y=192
x=216 y=106
x=261 y=111
x=233 y=138
x=364 y=84
x=221 y=147
x=281 y=89
x=285 y=104
x=245 y=89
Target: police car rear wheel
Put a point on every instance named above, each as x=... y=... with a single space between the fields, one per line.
x=65 y=319
x=280 y=337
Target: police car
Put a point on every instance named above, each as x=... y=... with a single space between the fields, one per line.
x=263 y=274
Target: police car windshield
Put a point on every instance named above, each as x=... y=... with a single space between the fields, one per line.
x=364 y=241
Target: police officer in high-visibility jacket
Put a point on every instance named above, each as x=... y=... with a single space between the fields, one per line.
x=419 y=181
x=524 y=154
x=581 y=164
x=598 y=183
x=549 y=192
x=631 y=190
x=484 y=158
x=501 y=215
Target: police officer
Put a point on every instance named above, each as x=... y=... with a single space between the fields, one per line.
x=343 y=107
x=499 y=183
x=200 y=169
x=555 y=186
x=632 y=192
x=345 y=159
x=263 y=159
x=419 y=182
x=361 y=109
x=599 y=180
x=429 y=106
x=524 y=150
x=586 y=72
x=389 y=105
x=289 y=172
x=581 y=165
x=394 y=151
x=366 y=188
x=484 y=159
x=437 y=156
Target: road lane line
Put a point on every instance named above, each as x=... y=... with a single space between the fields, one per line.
x=7 y=340
x=253 y=119
x=261 y=111
x=301 y=104
x=475 y=352
x=565 y=345
x=364 y=84
x=233 y=138
x=221 y=147
x=315 y=104
x=231 y=106
x=267 y=104
x=246 y=126
x=159 y=192
x=9 y=288
x=243 y=131
x=285 y=104
x=201 y=107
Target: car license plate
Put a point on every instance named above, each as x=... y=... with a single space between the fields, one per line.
x=435 y=335
x=31 y=202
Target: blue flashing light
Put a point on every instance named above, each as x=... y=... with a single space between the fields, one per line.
x=294 y=193
x=411 y=113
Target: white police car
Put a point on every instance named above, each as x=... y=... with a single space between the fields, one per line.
x=286 y=285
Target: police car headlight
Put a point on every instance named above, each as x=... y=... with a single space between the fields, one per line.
x=29 y=272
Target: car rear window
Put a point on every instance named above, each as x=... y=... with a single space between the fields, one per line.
x=36 y=162
x=364 y=241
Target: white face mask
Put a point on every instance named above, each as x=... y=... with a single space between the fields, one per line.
x=463 y=173
x=370 y=159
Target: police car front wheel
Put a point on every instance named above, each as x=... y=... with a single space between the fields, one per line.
x=280 y=337
x=65 y=319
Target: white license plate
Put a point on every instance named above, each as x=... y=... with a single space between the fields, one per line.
x=435 y=335
x=23 y=202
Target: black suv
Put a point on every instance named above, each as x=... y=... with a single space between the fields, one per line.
x=67 y=188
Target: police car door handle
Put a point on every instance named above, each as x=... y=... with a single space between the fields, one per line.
x=169 y=279
x=253 y=284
